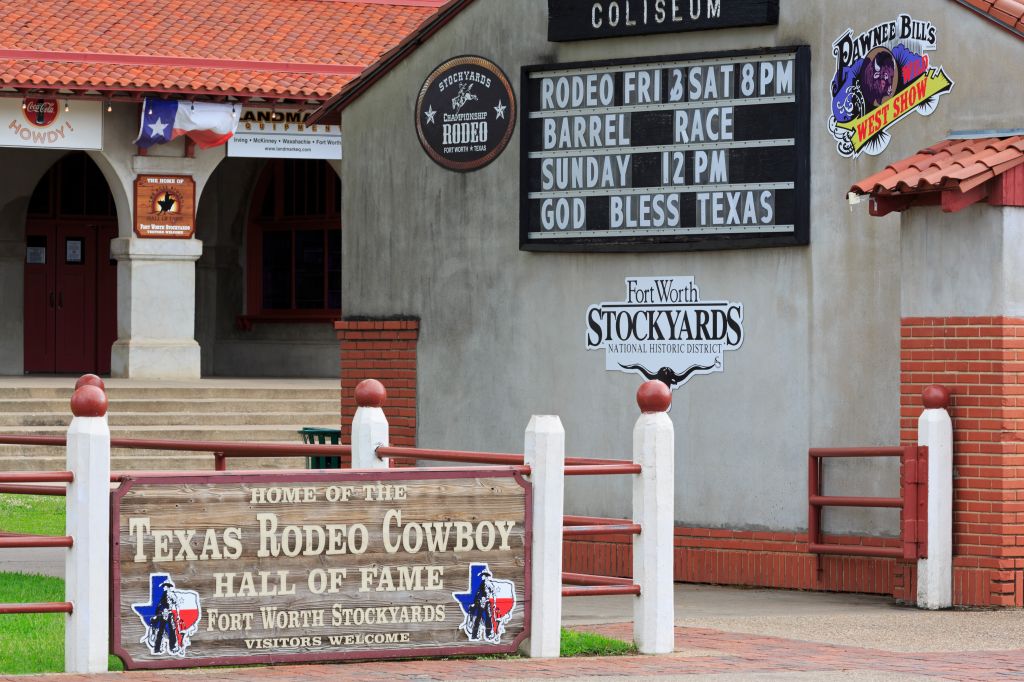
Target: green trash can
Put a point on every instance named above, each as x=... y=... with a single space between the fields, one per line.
x=319 y=435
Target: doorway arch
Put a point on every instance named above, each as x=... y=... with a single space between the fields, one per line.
x=70 y=293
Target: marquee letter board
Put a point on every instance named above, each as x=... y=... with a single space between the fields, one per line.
x=683 y=152
x=237 y=569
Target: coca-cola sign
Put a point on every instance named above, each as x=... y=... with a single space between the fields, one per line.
x=40 y=112
x=49 y=123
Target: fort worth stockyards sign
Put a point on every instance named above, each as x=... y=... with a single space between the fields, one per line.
x=269 y=568
x=664 y=331
x=465 y=113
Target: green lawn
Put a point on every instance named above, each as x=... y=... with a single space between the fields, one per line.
x=35 y=514
x=589 y=644
x=33 y=643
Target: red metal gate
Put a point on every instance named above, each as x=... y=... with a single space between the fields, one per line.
x=913 y=502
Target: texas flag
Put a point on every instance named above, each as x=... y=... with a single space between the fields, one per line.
x=207 y=123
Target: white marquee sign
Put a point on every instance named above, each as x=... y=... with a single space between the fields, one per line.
x=663 y=330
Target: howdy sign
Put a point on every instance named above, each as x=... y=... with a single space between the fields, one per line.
x=239 y=569
x=664 y=331
x=42 y=123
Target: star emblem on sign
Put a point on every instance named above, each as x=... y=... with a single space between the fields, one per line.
x=500 y=110
x=430 y=113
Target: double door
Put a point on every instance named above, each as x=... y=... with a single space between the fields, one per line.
x=70 y=296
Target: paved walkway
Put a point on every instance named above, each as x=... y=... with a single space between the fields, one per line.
x=721 y=634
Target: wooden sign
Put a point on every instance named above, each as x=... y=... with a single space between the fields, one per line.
x=684 y=152
x=260 y=568
x=165 y=206
x=584 y=19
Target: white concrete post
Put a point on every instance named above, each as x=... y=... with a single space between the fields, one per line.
x=935 y=430
x=544 y=452
x=369 y=426
x=654 y=510
x=87 y=566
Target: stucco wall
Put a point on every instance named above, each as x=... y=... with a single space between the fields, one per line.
x=502 y=330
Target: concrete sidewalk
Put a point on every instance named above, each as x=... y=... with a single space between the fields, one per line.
x=721 y=634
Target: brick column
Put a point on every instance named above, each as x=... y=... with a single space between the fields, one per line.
x=384 y=350
x=979 y=359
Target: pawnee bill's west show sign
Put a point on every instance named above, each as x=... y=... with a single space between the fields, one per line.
x=465 y=113
x=663 y=330
x=265 y=568
x=882 y=76
x=700 y=151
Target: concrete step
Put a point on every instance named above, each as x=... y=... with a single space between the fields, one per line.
x=147 y=460
x=156 y=418
x=175 y=393
x=230 y=432
x=63 y=405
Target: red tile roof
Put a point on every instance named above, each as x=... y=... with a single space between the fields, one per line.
x=950 y=164
x=1007 y=13
x=288 y=49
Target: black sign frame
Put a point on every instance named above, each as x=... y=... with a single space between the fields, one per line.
x=573 y=19
x=800 y=236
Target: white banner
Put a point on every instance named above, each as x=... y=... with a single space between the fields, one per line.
x=267 y=134
x=44 y=124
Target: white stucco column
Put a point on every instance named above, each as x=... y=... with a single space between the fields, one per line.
x=87 y=565
x=935 y=430
x=156 y=278
x=369 y=426
x=156 y=308
x=654 y=510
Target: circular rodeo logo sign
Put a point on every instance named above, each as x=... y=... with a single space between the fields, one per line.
x=465 y=113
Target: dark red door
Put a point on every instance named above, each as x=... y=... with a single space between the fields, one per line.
x=70 y=297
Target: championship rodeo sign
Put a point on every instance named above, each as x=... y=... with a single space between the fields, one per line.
x=268 y=568
x=664 y=331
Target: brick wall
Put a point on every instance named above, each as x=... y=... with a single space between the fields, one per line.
x=980 y=360
x=384 y=350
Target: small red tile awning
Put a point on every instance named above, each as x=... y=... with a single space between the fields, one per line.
x=952 y=174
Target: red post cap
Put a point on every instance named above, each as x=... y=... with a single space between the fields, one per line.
x=90 y=380
x=935 y=396
x=654 y=396
x=89 y=401
x=370 y=393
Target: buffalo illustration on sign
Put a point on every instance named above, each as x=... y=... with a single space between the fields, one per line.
x=882 y=75
x=664 y=331
x=465 y=113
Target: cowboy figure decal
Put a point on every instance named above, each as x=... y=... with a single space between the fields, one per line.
x=486 y=606
x=170 y=618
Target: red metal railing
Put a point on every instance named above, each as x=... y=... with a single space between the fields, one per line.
x=20 y=482
x=913 y=502
x=221 y=450
x=574 y=584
